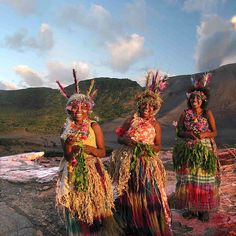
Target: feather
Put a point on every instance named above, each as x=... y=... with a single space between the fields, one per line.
x=94 y=94
x=90 y=88
x=162 y=85
x=62 y=90
x=158 y=77
x=149 y=76
x=75 y=81
x=208 y=78
x=192 y=81
x=153 y=85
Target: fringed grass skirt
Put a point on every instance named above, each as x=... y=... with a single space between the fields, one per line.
x=141 y=206
x=87 y=212
x=197 y=190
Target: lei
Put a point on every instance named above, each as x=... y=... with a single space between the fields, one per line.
x=137 y=130
x=194 y=122
x=193 y=152
x=80 y=172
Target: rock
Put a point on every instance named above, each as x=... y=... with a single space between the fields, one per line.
x=13 y=223
x=28 y=192
x=23 y=168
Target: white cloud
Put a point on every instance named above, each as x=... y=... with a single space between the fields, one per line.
x=83 y=70
x=205 y=7
x=109 y=30
x=23 y=7
x=55 y=71
x=97 y=19
x=45 y=40
x=212 y=25
x=216 y=43
x=6 y=85
x=42 y=42
x=125 y=52
x=63 y=72
x=233 y=21
x=29 y=76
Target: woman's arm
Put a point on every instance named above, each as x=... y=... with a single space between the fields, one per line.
x=124 y=139
x=157 y=141
x=100 y=150
x=68 y=147
x=213 y=131
x=181 y=132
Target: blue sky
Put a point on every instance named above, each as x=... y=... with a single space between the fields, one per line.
x=42 y=40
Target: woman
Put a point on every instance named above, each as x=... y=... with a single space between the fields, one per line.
x=137 y=171
x=195 y=157
x=84 y=189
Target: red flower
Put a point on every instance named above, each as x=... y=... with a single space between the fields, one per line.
x=74 y=162
x=119 y=131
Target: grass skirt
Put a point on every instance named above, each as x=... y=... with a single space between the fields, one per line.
x=141 y=206
x=198 y=189
x=87 y=212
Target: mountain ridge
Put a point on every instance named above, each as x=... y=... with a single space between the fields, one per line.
x=41 y=110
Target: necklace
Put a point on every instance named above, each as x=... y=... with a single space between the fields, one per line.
x=81 y=131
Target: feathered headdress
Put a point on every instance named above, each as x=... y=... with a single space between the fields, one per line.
x=155 y=85
x=201 y=82
x=77 y=96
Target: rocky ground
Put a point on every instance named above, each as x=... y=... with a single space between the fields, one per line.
x=27 y=202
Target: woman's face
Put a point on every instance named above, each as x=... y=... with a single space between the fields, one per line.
x=196 y=102
x=79 y=111
x=146 y=110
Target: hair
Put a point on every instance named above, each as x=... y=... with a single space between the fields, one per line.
x=201 y=89
x=151 y=98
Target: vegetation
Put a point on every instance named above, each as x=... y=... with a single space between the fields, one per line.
x=41 y=110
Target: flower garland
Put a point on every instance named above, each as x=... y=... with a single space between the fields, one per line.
x=193 y=153
x=143 y=139
x=72 y=129
x=138 y=129
x=79 y=170
x=197 y=93
x=195 y=123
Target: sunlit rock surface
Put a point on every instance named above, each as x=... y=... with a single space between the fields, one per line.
x=24 y=167
x=27 y=202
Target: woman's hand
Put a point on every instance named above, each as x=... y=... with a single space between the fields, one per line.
x=202 y=135
x=191 y=135
x=68 y=147
x=71 y=139
x=126 y=141
x=156 y=148
x=88 y=149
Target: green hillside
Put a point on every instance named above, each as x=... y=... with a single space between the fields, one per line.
x=41 y=110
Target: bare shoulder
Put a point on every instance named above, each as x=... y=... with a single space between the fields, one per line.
x=157 y=125
x=209 y=112
x=96 y=127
